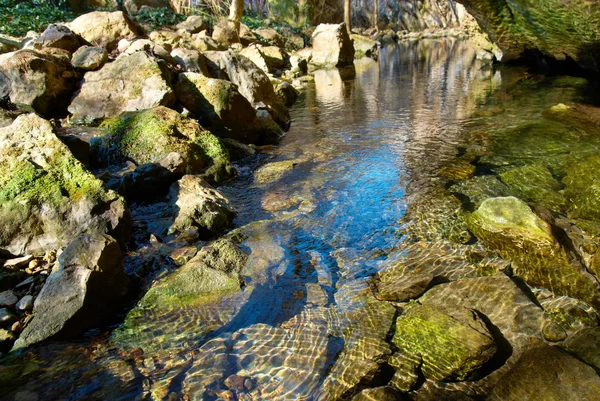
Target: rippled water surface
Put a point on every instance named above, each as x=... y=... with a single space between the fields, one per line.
x=320 y=213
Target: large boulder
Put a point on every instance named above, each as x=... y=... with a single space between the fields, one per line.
x=548 y=374
x=267 y=58
x=46 y=196
x=224 y=33
x=272 y=36
x=36 y=81
x=508 y=226
x=88 y=283
x=199 y=206
x=190 y=60
x=193 y=24
x=332 y=46
x=150 y=135
x=556 y=28
x=218 y=105
x=130 y=83
x=251 y=81
x=452 y=343
x=105 y=29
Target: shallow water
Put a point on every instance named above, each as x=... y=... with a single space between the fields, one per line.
x=364 y=144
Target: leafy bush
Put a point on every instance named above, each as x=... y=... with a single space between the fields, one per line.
x=19 y=16
x=156 y=18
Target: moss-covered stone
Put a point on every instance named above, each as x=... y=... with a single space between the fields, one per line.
x=452 y=343
x=150 y=135
x=46 y=196
x=536 y=184
x=479 y=188
x=508 y=226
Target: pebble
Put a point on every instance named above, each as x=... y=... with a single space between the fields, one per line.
x=34 y=264
x=7 y=317
x=18 y=262
x=17 y=327
x=8 y=298
x=26 y=303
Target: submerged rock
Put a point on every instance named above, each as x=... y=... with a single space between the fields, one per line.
x=199 y=280
x=453 y=343
x=508 y=226
x=132 y=82
x=36 y=81
x=149 y=136
x=548 y=374
x=89 y=282
x=47 y=196
x=332 y=46
x=582 y=189
x=585 y=345
x=378 y=394
x=536 y=184
x=105 y=29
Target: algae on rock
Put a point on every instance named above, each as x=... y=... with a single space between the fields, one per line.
x=148 y=136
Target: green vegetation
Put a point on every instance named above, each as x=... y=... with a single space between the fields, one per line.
x=156 y=18
x=17 y=17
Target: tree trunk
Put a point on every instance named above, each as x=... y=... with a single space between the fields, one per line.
x=235 y=13
x=376 y=15
x=348 y=15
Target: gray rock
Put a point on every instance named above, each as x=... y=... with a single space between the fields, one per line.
x=132 y=82
x=61 y=198
x=191 y=60
x=251 y=82
x=89 y=58
x=25 y=303
x=218 y=105
x=332 y=46
x=88 y=284
x=548 y=374
x=287 y=94
x=60 y=37
x=8 y=298
x=7 y=317
x=199 y=205
x=148 y=46
x=36 y=81
x=193 y=24
x=18 y=263
x=105 y=29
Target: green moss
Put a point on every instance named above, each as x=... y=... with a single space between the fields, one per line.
x=536 y=184
x=582 y=189
x=508 y=226
x=148 y=136
x=450 y=349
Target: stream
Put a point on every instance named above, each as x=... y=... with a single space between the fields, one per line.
x=339 y=200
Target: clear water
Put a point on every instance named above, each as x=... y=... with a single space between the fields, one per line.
x=307 y=325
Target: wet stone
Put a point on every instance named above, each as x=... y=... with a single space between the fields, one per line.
x=406 y=368
x=585 y=345
x=552 y=332
x=8 y=298
x=7 y=318
x=25 y=303
x=378 y=394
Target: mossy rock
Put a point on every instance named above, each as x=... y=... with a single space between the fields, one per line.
x=46 y=196
x=508 y=226
x=479 y=188
x=536 y=184
x=453 y=343
x=148 y=136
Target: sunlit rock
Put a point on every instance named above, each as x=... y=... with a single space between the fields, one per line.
x=105 y=29
x=453 y=343
x=36 y=81
x=509 y=226
x=536 y=184
x=332 y=46
x=89 y=58
x=47 y=197
x=150 y=135
x=547 y=373
x=130 y=83
x=89 y=282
